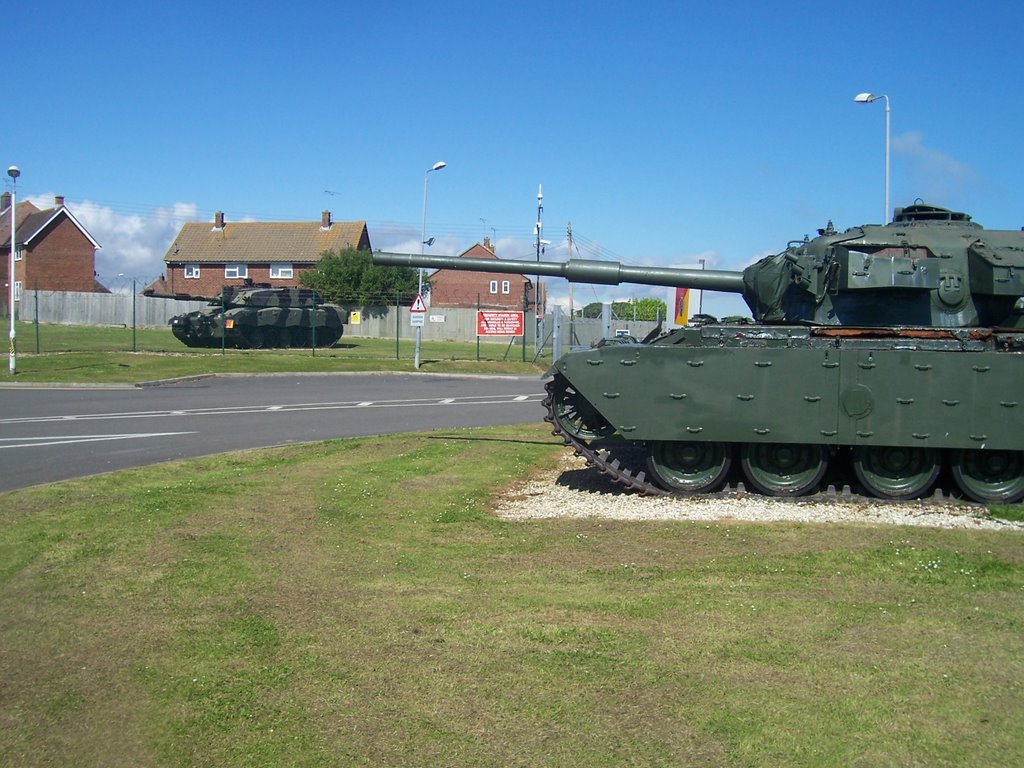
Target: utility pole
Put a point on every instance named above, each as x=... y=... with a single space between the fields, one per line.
x=572 y=309
x=538 y=229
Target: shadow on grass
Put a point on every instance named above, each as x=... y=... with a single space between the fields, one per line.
x=488 y=439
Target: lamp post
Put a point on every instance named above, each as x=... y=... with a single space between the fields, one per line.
x=423 y=241
x=14 y=173
x=867 y=98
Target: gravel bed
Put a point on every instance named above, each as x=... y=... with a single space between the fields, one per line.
x=572 y=489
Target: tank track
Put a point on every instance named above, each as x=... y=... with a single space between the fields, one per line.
x=601 y=458
x=612 y=463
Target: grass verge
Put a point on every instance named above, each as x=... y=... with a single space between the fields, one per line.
x=355 y=603
x=75 y=354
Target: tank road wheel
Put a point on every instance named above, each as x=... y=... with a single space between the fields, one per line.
x=989 y=476
x=284 y=338
x=689 y=466
x=574 y=413
x=783 y=469
x=300 y=337
x=896 y=472
x=254 y=336
x=271 y=338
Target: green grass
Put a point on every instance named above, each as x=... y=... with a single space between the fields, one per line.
x=1008 y=511
x=75 y=354
x=356 y=603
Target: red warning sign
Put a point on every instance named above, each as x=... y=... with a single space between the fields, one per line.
x=499 y=323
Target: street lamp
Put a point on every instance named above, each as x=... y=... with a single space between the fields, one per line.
x=867 y=98
x=14 y=173
x=423 y=239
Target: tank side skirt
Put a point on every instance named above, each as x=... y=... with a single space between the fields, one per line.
x=812 y=392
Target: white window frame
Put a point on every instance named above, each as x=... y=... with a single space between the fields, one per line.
x=281 y=272
x=18 y=253
x=17 y=290
x=494 y=286
x=506 y=287
x=191 y=271
x=236 y=271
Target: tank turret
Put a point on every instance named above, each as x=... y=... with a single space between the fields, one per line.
x=929 y=267
x=259 y=317
x=880 y=356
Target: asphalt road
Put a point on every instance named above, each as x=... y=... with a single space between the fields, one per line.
x=49 y=434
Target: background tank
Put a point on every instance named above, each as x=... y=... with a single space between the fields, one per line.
x=891 y=353
x=260 y=317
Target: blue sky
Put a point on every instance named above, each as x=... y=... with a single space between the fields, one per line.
x=665 y=133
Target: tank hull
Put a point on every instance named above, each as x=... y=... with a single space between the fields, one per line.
x=743 y=384
x=785 y=402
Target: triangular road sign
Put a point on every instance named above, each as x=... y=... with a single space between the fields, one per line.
x=418 y=305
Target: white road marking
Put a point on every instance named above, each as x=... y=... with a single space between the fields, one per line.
x=281 y=408
x=35 y=442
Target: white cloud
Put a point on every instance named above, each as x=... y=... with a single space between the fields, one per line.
x=131 y=245
x=933 y=176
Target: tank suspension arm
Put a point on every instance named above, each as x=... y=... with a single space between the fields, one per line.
x=575 y=271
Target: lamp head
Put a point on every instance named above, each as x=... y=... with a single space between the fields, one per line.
x=13 y=172
x=865 y=98
x=438 y=165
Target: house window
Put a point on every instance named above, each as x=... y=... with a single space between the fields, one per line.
x=505 y=286
x=281 y=271
x=191 y=270
x=17 y=290
x=236 y=270
x=494 y=286
x=18 y=254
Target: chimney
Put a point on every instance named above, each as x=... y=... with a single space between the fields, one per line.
x=5 y=201
x=218 y=221
x=325 y=221
x=487 y=244
x=58 y=201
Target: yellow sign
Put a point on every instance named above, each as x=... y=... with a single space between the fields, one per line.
x=355 y=317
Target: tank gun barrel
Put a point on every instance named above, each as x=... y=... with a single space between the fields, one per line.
x=576 y=271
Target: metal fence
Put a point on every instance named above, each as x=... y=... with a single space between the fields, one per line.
x=111 y=309
x=553 y=332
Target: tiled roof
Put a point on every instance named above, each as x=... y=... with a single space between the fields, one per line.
x=32 y=221
x=253 y=242
x=25 y=210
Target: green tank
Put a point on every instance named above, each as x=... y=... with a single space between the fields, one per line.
x=262 y=317
x=879 y=357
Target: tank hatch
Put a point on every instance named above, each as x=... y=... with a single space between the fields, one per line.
x=922 y=212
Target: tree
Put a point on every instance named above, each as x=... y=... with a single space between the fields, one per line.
x=638 y=309
x=350 y=277
x=649 y=309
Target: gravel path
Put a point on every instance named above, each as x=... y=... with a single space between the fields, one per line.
x=574 y=490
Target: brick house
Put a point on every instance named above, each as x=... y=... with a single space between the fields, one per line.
x=493 y=290
x=55 y=252
x=202 y=258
